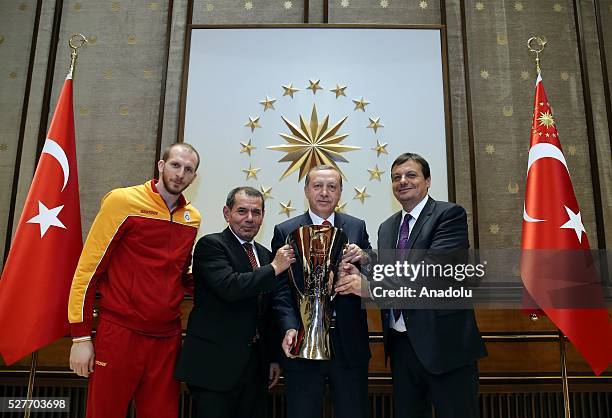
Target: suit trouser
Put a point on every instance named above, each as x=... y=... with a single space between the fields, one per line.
x=247 y=400
x=453 y=394
x=131 y=365
x=305 y=387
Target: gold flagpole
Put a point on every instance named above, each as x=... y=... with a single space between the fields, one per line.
x=537 y=49
x=72 y=43
x=564 y=379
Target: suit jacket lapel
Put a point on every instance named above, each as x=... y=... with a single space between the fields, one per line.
x=423 y=218
x=236 y=248
x=393 y=234
x=339 y=221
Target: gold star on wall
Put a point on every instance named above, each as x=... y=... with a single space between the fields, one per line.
x=513 y=188
x=108 y=74
x=248 y=5
x=131 y=39
x=77 y=7
x=287 y=5
x=375 y=173
x=253 y=123
x=571 y=150
x=83 y=110
x=23 y=7
x=312 y=144
x=266 y=192
x=289 y=90
x=154 y=6
x=124 y=110
x=508 y=111
x=564 y=76
x=339 y=90
x=380 y=148
x=524 y=75
x=247 y=147
x=251 y=172
x=341 y=207
x=286 y=208
x=139 y=147
x=347 y=3
x=147 y=73
x=92 y=40
x=502 y=40
x=115 y=6
x=1 y=39
x=423 y=5
x=484 y=74
x=361 y=194
x=494 y=229
x=314 y=86
x=479 y=7
x=268 y=103
x=12 y=75
x=210 y=7
x=3 y=147
x=360 y=104
x=490 y=149
x=384 y=4
x=557 y=7
x=375 y=124
x=100 y=148
x=518 y=6
x=546 y=119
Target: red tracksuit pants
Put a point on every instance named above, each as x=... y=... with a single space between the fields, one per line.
x=133 y=366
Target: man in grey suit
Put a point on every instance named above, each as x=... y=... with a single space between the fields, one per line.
x=433 y=352
x=347 y=371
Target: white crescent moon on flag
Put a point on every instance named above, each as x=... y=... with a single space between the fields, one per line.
x=53 y=149
x=539 y=151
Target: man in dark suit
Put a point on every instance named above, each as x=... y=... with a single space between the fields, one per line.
x=433 y=352
x=347 y=371
x=228 y=358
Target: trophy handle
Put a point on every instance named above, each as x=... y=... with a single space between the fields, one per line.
x=290 y=271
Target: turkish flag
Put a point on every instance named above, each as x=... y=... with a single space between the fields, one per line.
x=45 y=249
x=557 y=267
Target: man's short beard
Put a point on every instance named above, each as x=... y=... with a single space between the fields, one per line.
x=169 y=190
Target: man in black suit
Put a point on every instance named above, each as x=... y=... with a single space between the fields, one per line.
x=347 y=371
x=433 y=352
x=227 y=358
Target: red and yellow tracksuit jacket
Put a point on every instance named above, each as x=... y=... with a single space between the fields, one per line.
x=136 y=255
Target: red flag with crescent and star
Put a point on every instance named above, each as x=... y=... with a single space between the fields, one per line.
x=557 y=267
x=46 y=247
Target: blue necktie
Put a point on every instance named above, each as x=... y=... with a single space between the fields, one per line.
x=402 y=244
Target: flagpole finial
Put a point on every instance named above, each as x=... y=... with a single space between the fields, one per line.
x=75 y=42
x=539 y=47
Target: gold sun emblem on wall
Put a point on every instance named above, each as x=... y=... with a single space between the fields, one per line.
x=312 y=144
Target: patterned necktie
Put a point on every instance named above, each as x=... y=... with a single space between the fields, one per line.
x=249 y=250
x=326 y=223
x=402 y=244
x=404 y=234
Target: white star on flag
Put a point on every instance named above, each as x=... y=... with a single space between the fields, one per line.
x=575 y=223
x=47 y=218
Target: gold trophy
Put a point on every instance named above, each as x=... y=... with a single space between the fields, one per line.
x=318 y=251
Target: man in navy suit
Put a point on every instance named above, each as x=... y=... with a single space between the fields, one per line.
x=347 y=371
x=433 y=352
x=228 y=357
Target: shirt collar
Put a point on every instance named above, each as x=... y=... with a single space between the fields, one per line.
x=252 y=242
x=317 y=220
x=416 y=211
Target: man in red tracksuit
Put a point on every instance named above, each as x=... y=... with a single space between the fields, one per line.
x=136 y=256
